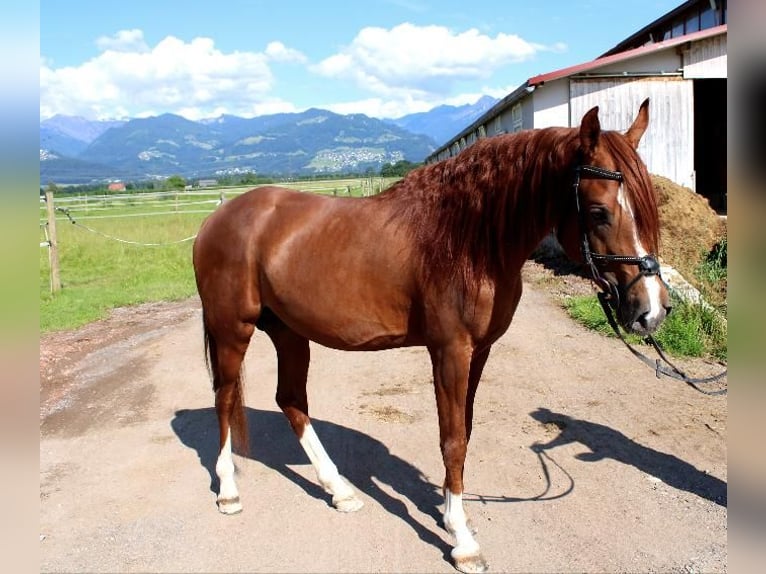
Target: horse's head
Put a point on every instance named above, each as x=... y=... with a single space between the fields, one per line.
x=614 y=227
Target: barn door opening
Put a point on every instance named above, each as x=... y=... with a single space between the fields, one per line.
x=710 y=141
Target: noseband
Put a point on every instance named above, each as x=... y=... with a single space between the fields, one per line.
x=647 y=264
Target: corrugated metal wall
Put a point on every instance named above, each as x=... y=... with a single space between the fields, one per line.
x=667 y=147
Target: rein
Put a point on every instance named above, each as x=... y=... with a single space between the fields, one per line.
x=609 y=295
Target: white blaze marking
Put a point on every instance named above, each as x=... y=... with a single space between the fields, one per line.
x=651 y=284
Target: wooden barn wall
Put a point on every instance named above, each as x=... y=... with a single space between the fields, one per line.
x=551 y=104
x=706 y=59
x=668 y=144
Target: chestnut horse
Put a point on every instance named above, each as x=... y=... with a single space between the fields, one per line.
x=435 y=260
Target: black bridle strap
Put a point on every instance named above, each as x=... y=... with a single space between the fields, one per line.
x=647 y=266
x=595 y=172
x=671 y=370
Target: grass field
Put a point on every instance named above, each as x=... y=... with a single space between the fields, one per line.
x=99 y=273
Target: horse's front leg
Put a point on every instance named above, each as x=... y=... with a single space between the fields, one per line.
x=451 y=371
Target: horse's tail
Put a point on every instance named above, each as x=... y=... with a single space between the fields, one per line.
x=238 y=419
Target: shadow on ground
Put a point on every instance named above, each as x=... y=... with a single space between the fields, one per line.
x=605 y=442
x=367 y=462
x=360 y=458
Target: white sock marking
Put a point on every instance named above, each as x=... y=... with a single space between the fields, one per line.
x=327 y=472
x=457 y=523
x=224 y=468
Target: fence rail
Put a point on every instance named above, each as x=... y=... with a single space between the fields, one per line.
x=102 y=212
x=114 y=205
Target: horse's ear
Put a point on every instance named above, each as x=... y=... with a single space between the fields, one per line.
x=638 y=128
x=590 y=130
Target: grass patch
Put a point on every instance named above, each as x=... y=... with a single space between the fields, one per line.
x=99 y=274
x=712 y=275
x=691 y=330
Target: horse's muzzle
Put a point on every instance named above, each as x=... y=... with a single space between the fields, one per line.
x=639 y=311
x=646 y=322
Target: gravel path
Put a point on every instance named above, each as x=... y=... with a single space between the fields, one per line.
x=581 y=460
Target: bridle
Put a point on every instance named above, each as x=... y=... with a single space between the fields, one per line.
x=609 y=296
x=647 y=264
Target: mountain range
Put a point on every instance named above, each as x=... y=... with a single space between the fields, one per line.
x=76 y=150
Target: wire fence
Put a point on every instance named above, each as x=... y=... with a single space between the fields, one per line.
x=94 y=226
x=83 y=207
x=76 y=209
x=150 y=218
x=138 y=204
x=119 y=249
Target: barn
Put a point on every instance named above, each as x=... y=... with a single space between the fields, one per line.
x=679 y=61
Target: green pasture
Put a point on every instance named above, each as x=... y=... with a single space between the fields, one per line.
x=99 y=268
x=99 y=274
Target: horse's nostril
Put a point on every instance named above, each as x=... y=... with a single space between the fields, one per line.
x=668 y=309
x=648 y=322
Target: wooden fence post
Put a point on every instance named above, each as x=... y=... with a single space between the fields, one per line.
x=53 y=248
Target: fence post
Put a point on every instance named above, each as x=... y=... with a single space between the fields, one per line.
x=53 y=248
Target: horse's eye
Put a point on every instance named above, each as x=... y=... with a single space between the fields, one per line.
x=599 y=215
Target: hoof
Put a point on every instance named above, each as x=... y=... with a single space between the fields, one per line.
x=347 y=504
x=471 y=564
x=229 y=505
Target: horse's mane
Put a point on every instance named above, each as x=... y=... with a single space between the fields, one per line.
x=476 y=213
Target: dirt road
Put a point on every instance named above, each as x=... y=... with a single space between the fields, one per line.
x=581 y=460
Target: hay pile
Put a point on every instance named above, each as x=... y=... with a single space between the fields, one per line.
x=689 y=227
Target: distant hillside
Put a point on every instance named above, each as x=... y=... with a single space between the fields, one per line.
x=70 y=135
x=443 y=122
x=66 y=170
x=312 y=142
x=76 y=150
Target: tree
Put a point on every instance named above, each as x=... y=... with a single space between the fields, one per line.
x=175 y=182
x=398 y=169
x=249 y=178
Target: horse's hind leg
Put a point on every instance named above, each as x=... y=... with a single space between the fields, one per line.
x=226 y=357
x=292 y=367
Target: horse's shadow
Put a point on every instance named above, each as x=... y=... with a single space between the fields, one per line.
x=360 y=458
x=367 y=462
x=605 y=442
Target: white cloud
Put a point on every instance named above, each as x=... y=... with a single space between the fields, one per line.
x=381 y=73
x=129 y=78
x=396 y=107
x=424 y=60
x=380 y=108
x=123 y=41
x=278 y=52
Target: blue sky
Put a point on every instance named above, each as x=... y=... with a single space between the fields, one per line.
x=385 y=58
